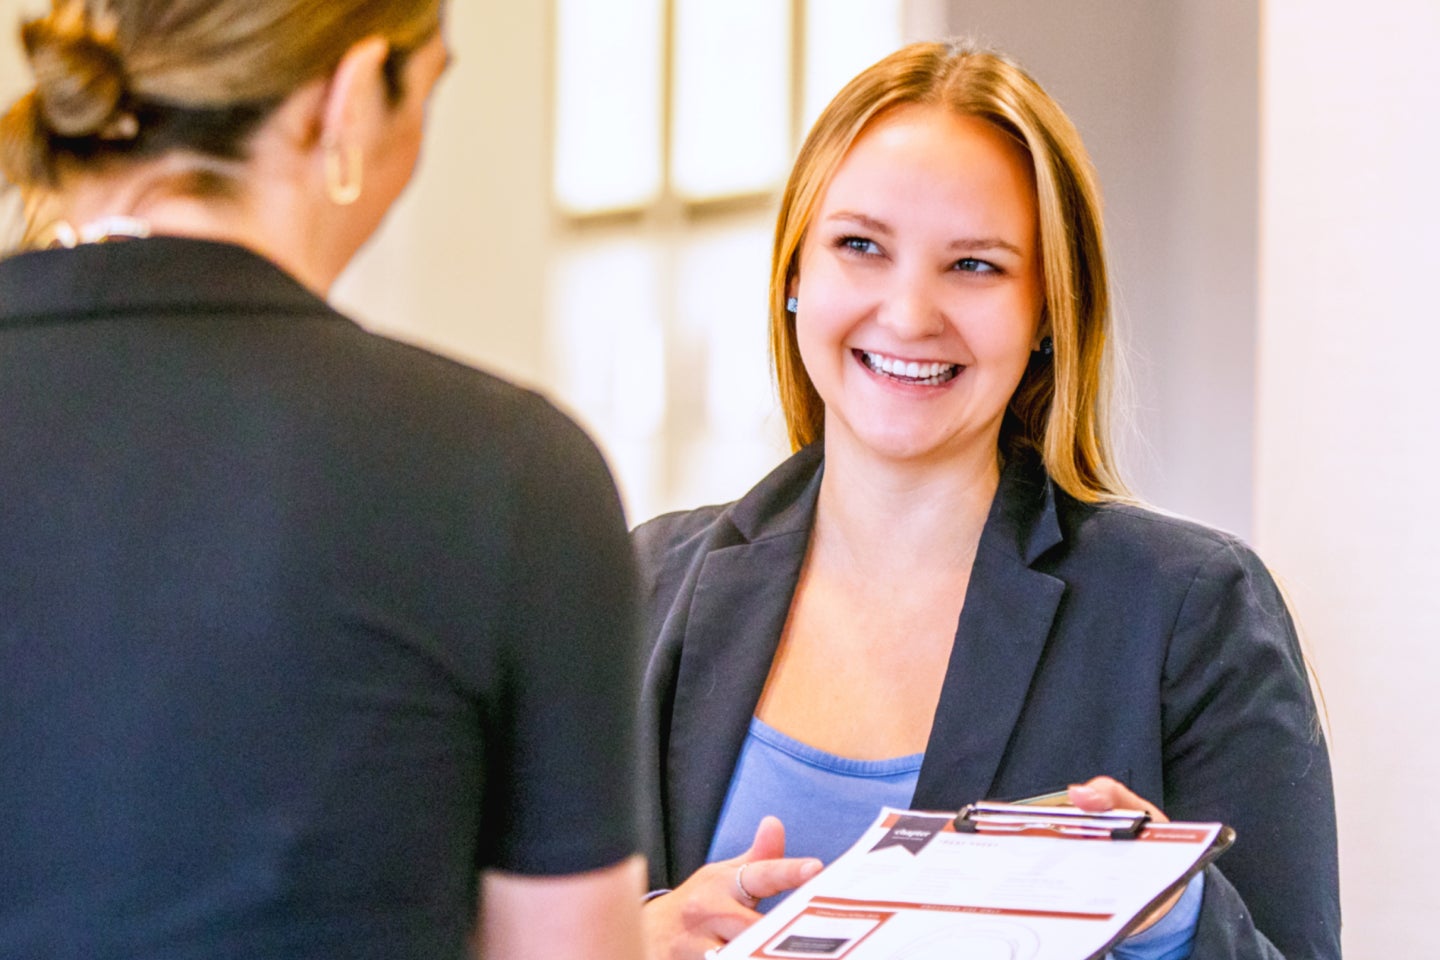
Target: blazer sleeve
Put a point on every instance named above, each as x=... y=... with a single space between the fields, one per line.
x=666 y=548
x=1243 y=745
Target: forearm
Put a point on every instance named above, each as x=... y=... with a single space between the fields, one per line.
x=594 y=915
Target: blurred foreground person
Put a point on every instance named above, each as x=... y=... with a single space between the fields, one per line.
x=309 y=641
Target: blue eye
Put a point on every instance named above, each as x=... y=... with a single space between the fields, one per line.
x=859 y=245
x=971 y=265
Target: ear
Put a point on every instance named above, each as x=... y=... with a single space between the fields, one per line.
x=1042 y=330
x=356 y=99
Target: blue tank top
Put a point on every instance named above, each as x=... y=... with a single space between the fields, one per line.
x=826 y=802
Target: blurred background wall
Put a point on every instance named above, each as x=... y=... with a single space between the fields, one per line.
x=1269 y=170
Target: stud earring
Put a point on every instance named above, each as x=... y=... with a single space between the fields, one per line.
x=1047 y=347
x=792 y=305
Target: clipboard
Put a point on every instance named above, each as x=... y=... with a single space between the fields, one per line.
x=1021 y=819
x=1042 y=883
x=1028 y=819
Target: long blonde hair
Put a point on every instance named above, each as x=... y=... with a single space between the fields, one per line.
x=117 y=79
x=1060 y=407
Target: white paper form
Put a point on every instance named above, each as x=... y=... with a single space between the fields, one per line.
x=913 y=888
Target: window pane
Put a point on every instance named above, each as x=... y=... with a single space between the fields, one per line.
x=738 y=435
x=732 y=97
x=608 y=65
x=843 y=37
x=605 y=353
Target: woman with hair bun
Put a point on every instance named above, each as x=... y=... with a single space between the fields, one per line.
x=309 y=641
x=947 y=594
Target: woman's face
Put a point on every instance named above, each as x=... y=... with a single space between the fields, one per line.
x=919 y=286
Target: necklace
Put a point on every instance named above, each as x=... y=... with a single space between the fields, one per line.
x=62 y=234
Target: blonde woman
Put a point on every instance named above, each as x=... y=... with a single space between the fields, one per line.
x=946 y=594
x=309 y=641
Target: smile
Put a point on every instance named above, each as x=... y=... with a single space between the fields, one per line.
x=909 y=371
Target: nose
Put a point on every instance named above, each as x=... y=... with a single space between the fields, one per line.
x=910 y=308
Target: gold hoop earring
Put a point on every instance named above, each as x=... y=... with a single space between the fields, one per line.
x=344 y=174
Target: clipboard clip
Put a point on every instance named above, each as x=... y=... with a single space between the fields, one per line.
x=1021 y=819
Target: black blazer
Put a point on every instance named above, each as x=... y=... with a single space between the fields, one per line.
x=1095 y=639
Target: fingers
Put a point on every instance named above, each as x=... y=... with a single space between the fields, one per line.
x=711 y=907
x=766 y=878
x=1106 y=793
x=700 y=914
x=723 y=923
x=766 y=871
x=769 y=842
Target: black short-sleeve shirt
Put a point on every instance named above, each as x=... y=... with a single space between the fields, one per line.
x=300 y=628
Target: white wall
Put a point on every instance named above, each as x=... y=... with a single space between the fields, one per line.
x=1347 y=425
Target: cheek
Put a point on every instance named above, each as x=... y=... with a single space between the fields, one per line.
x=1009 y=327
x=809 y=340
x=404 y=155
x=831 y=305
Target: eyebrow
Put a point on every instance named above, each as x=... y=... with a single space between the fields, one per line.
x=963 y=244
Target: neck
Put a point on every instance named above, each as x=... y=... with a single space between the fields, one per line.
x=888 y=519
x=271 y=224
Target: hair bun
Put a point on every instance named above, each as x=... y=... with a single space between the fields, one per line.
x=80 y=82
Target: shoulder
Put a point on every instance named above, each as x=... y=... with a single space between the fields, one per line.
x=1142 y=572
x=1149 y=543
x=456 y=408
x=673 y=536
x=671 y=548
x=782 y=504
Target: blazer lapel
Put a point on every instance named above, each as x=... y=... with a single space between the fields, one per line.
x=736 y=617
x=738 y=608
x=1002 y=632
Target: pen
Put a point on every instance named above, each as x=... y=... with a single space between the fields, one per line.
x=1056 y=798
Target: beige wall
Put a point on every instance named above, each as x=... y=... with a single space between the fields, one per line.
x=13 y=81
x=12 y=66
x=460 y=264
x=1347 y=422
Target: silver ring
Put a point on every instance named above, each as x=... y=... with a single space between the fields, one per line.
x=745 y=895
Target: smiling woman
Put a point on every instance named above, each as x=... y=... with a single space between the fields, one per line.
x=945 y=594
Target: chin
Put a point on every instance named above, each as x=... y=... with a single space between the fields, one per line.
x=910 y=447
x=906 y=449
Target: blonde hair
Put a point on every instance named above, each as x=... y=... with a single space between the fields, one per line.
x=1060 y=407
x=136 y=78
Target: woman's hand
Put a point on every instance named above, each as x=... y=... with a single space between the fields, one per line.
x=718 y=901
x=1105 y=793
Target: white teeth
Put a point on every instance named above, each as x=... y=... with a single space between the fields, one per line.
x=926 y=373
